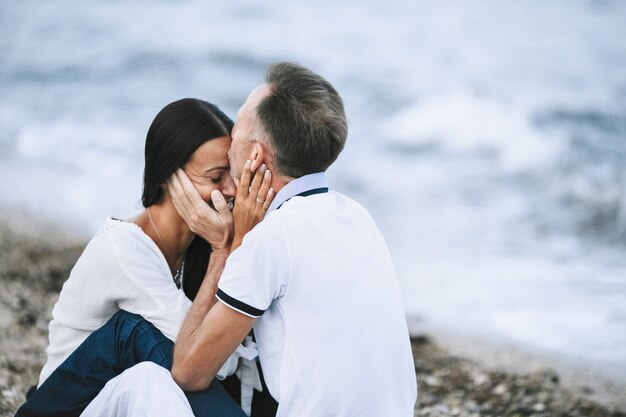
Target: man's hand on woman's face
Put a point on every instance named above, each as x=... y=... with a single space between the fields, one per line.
x=252 y=200
x=213 y=225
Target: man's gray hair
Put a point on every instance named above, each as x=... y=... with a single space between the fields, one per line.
x=303 y=118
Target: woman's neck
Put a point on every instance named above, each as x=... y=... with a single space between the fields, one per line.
x=165 y=227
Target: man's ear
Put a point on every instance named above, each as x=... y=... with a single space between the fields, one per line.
x=257 y=156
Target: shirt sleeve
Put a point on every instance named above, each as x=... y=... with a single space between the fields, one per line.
x=256 y=273
x=146 y=285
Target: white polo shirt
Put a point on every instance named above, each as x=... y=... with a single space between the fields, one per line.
x=331 y=330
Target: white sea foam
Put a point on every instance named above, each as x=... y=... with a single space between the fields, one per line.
x=465 y=123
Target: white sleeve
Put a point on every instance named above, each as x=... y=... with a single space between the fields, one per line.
x=146 y=285
x=256 y=273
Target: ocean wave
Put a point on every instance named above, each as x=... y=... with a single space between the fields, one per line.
x=464 y=122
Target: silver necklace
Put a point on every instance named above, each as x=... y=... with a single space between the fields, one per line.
x=154 y=226
x=178 y=276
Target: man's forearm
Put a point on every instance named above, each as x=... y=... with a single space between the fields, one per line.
x=210 y=333
x=205 y=299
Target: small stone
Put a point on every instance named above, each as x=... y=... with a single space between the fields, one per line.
x=420 y=339
x=500 y=389
x=9 y=393
x=539 y=407
x=455 y=412
x=473 y=406
x=586 y=390
x=480 y=379
x=425 y=411
x=432 y=381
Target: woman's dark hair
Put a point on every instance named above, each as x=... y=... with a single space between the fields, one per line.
x=175 y=134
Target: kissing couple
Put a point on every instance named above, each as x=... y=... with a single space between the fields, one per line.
x=246 y=286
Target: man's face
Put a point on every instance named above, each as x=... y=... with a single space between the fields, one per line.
x=241 y=148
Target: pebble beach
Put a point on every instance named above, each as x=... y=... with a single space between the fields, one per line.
x=35 y=260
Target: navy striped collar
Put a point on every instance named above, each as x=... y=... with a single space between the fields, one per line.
x=306 y=185
x=307 y=193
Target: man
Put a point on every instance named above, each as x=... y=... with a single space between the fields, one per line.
x=314 y=278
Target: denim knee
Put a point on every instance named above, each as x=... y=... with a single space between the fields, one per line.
x=124 y=317
x=124 y=324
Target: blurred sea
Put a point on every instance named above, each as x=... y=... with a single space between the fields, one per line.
x=488 y=138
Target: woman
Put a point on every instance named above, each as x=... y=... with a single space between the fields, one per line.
x=152 y=265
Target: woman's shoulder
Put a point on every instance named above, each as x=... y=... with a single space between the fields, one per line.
x=120 y=236
x=117 y=227
x=121 y=249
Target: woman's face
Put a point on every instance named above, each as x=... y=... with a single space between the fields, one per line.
x=209 y=170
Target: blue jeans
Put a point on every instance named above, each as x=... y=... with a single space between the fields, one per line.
x=125 y=340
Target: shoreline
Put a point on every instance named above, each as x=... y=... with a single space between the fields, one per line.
x=591 y=381
x=457 y=375
x=35 y=259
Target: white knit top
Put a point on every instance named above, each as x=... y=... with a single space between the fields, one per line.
x=121 y=269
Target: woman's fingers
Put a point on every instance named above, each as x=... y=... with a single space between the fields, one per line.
x=244 y=181
x=268 y=200
x=256 y=183
x=261 y=195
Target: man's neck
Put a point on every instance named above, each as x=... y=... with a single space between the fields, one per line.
x=279 y=182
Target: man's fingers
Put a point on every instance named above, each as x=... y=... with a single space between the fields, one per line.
x=190 y=192
x=219 y=202
x=174 y=185
x=221 y=206
x=180 y=200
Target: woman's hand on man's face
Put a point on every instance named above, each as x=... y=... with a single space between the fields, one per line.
x=252 y=200
x=213 y=225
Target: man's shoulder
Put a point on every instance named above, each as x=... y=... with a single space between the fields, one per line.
x=349 y=207
x=349 y=202
x=269 y=232
x=329 y=202
x=332 y=211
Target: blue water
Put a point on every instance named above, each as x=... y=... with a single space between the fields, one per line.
x=487 y=138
